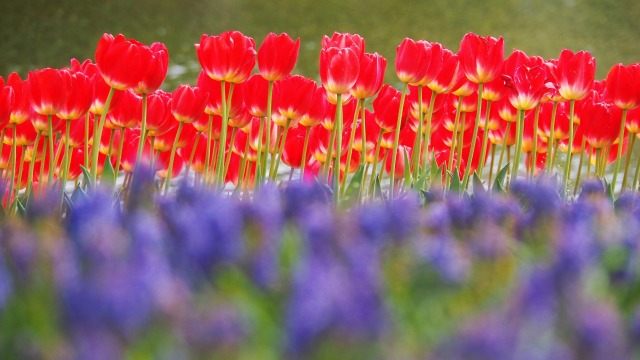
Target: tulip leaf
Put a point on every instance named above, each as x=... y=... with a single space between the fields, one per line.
x=355 y=185
x=377 y=188
x=22 y=211
x=478 y=186
x=498 y=184
x=78 y=194
x=108 y=173
x=609 y=191
x=456 y=182
x=435 y=169
x=407 y=169
x=87 y=176
x=67 y=203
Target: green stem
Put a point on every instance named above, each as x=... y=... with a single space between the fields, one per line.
x=567 y=165
x=234 y=133
x=272 y=165
x=577 y=184
x=636 y=175
x=536 y=117
x=52 y=162
x=86 y=141
x=12 y=164
x=519 y=134
x=375 y=162
x=66 y=158
x=143 y=129
x=632 y=140
x=457 y=139
x=328 y=159
x=418 y=141
x=427 y=133
x=485 y=139
x=336 y=164
x=119 y=156
x=96 y=137
x=363 y=129
x=171 y=158
x=504 y=145
x=243 y=164
x=280 y=150
x=259 y=164
x=476 y=125
x=620 y=142
x=267 y=130
x=352 y=137
x=192 y=155
x=396 y=139
x=32 y=164
x=304 y=151
x=207 y=173
x=223 y=134
x=493 y=155
x=551 y=152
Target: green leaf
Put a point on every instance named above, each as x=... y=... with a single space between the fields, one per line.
x=478 y=186
x=77 y=194
x=377 y=189
x=108 y=173
x=355 y=185
x=407 y=169
x=456 y=182
x=87 y=176
x=609 y=191
x=435 y=170
x=498 y=184
x=421 y=182
x=67 y=202
x=22 y=211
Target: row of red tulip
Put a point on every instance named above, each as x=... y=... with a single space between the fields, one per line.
x=228 y=126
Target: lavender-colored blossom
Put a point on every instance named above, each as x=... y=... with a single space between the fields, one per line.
x=5 y=283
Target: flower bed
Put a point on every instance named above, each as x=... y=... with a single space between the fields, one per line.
x=287 y=275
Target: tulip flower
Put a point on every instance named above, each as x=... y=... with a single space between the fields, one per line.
x=187 y=105
x=339 y=69
x=575 y=74
x=229 y=57
x=481 y=57
x=344 y=40
x=157 y=58
x=370 y=77
x=121 y=62
x=277 y=56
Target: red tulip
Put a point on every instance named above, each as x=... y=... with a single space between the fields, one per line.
x=21 y=108
x=80 y=96
x=277 y=56
x=7 y=99
x=156 y=71
x=371 y=76
x=561 y=124
x=292 y=152
x=339 y=69
x=100 y=88
x=600 y=124
x=481 y=57
x=127 y=114
x=213 y=89
x=386 y=106
x=318 y=111
x=575 y=74
x=121 y=62
x=527 y=87
x=450 y=76
x=228 y=57
x=256 y=89
x=48 y=89
x=159 y=117
x=187 y=103
x=411 y=58
x=344 y=40
x=296 y=94
x=623 y=86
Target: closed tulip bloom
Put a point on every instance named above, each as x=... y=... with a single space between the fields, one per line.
x=339 y=69
x=481 y=57
x=600 y=124
x=128 y=113
x=386 y=106
x=156 y=70
x=255 y=95
x=187 y=103
x=214 y=97
x=80 y=96
x=411 y=61
x=371 y=76
x=121 y=62
x=450 y=76
x=7 y=98
x=574 y=74
x=433 y=62
x=21 y=107
x=527 y=87
x=159 y=117
x=228 y=57
x=48 y=89
x=100 y=87
x=623 y=86
x=296 y=95
x=318 y=110
x=345 y=40
x=277 y=56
